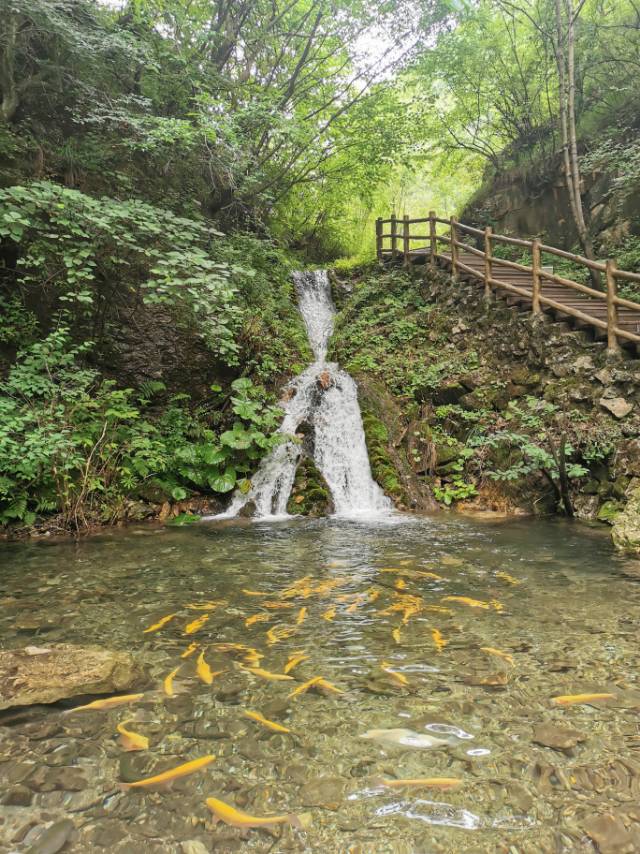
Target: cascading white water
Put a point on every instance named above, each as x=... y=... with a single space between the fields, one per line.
x=325 y=400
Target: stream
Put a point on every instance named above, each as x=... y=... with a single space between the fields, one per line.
x=558 y=603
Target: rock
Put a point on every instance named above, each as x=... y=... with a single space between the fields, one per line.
x=326 y=792
x=583 y=363
x=608 y=512
x=626 y=526
x=17 y=796
x=550 y=734
x=194 y=846
x=604 y=376
x=53 y=838
x=617 y=406
x=65 y=671
x=609 y=834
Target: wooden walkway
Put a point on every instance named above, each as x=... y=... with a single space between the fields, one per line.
x=531 y=286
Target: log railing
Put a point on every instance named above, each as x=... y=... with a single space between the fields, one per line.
x=401 y=247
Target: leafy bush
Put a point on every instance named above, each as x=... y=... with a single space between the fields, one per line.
x=70 y=441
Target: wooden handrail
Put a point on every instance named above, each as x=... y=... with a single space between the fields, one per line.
x=401 y=231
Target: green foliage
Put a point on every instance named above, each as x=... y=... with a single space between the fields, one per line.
x=74 y=443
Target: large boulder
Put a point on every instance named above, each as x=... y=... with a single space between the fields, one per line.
x=46 y=674
x=626 y=525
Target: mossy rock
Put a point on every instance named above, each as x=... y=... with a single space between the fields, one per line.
x=608 y=512
x=310 y=495
x=626 y=526
x=382 y=468
x=446 y=454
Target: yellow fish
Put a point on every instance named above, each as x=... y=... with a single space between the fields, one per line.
x=277 y=606
x=253 y=657
x=438 y=640
x=298 y=588
x=272 y=725
x=294 y=660
x=302 y=689
x=189 y=650
x=395 y=634
x=499 y=653
x=401 y=584
x=256 y=618
x=327 y=686
x=167 y=683
x=266 y=674
x=162 y=622
x=506 y=577
x=192 y=627
x=466 y=600
x=373 y=595
x=108 y=703
x=424 y=782
x=131 y=740
x=167 y=777
x=278 y=633
x=438 y=609
x=302 y=615
x=205 y=606
x=327 y=586
x=571 y=699
x=329 y=614
x=237 y=818
x=204 y=671
x=398 y=678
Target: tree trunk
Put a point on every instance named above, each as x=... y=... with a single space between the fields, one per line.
x=10 y=92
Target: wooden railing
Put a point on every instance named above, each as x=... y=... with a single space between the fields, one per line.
x=401 y=246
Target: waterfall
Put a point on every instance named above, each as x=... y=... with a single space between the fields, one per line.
x=322 y=405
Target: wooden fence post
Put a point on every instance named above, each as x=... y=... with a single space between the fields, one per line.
x=432 y=238
x=394 y=238
x=379 y=239
x=612 y=309
x=406 y=260
x=454 y=250
x=535 y=267
x=488 y=255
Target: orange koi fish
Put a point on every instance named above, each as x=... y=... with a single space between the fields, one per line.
x=253 y=657
x=466 y=600
x=189 y=650
x=438 y=640
x=256 y=618
x=204 y=671
x=438 y=609
x=108 y=703
x=506 y=577
x=300 y=587
x=399 y=678
x=167 y=777
x=192 y=627
x=206 y=606
x=131 y=740
x=302 y=615
x=302 y=689
x=272 y=725
x=167 y=683
x=294 y=660
x=237 y=818
x=423 y=782
x=572 y=699
x=278 y=633
x=327 y=586
x=401 y=584
x=499 y=653
x=266 y=674
x=162 y=622
x=277 y=606
x=329 y=614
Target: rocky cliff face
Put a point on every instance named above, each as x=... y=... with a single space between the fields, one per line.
x=533 y=202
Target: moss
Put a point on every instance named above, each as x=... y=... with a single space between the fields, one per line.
x=608 y=512
x=382 y=467
x=310 y=495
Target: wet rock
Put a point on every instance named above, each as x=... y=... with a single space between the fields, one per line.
x=53 y=839
x=17 y=796
x=193 y=846
x=327 y=792
x=550 y=734
x=626 y=526
x=609 y=834
x=617 y=406
x=65 y=671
